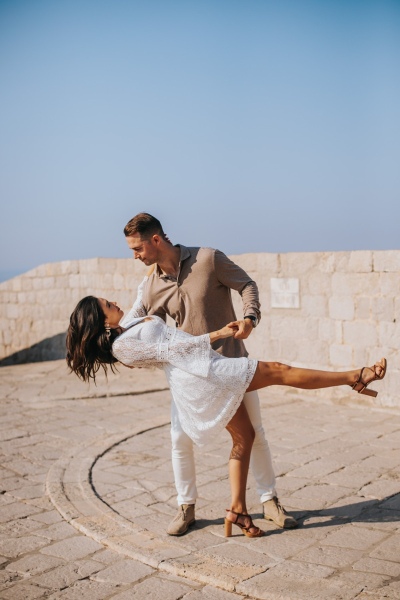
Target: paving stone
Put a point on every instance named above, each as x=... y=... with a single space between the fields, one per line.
x=380 y=489
x=49 y=517
x=19 y=527
x=373 y=565
x=354 y=537
x=72 y=548
x=89 y=590
x=294 y=581
x=388 y=550
x=329 y=556
x=34 y=564
x=24 y=591
x=106 y=557
x=57 y=531
x=65 y=575
x=155 y=588
x=15 y=547
x=16 y=510
x=210 y=593
x=123 y=572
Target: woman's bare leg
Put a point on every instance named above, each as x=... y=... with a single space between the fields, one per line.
x=274 y=373
x=242 y=433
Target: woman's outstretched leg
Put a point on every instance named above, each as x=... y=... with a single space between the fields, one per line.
x=274 y=373
x=242 y=433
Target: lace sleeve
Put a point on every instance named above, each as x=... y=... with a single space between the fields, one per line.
x=135 y=353
x=137 y=310
x=190 y=353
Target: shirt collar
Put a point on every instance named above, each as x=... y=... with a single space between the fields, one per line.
x=185 y=253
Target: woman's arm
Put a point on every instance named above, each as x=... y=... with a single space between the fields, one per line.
x=227 y=331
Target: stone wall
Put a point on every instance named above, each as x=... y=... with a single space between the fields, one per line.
x=333 y=310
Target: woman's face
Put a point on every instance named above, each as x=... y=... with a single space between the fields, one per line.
x=112 y=313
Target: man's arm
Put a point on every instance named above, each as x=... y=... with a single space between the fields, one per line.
x=235 y=278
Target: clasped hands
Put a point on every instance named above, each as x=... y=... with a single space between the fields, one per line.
x=240 y=330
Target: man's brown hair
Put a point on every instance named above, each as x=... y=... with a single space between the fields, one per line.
x=144 y=225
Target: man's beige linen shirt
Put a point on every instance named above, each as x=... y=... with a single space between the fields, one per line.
x=199 y=300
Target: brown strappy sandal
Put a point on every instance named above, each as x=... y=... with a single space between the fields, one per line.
x=245 y=530
x=382 y=364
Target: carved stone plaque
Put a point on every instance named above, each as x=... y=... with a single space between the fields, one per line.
x=285 y=292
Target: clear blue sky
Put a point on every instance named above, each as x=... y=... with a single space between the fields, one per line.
x=241 y=124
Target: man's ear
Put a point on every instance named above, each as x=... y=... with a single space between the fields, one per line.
x=157 y=239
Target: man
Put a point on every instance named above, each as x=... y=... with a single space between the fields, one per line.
x=193 y=286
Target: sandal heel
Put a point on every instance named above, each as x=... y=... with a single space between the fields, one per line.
x=368 y=392
x=228 y=528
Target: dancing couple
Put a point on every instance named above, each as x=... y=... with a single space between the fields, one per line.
x=212 y=380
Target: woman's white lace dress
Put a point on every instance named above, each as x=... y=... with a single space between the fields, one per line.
x=207 y=388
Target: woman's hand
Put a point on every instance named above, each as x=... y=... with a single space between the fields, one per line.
x=228 y=331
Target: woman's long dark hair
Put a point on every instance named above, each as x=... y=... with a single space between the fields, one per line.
x=88 y=346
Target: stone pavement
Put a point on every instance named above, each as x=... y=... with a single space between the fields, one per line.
x=87 y=493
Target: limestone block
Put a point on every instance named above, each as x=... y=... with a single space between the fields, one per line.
x=61 y=281
x=389 y=334
x=313 y=353
x=16 y=284
x=107 y=281
x=294 y=264
x=397 y=309
x=12 y=311
x=289 y=351
x=341 y=307
x=360 y=262
x=383 y=309
x=341 y=355
x=26 y=325
x=9 y=297
x=360 y=334
x=267 y=264
x=362 y=307
x=316 y=283
x=106 y=266
x=247 y=262
x=22 y=298
x=86 y=281
x=387 y=261
x=37 y=283
x=8 y=336
x=31 y=298
x=118 y=281
x=389 y=284
x=69 y=267
x=40 y=271
x=48 y=283
x=38 y=326
x=125 y=266
x=361 y=356
x=74 y=281
x=294 y=328
x=26 y=284
x=315 y=305
x=327 y=262
x=354 y=283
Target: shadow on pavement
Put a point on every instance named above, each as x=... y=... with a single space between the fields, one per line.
x=52 y=348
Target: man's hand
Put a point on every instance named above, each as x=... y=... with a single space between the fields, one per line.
x=228 y=331
x=244 y=329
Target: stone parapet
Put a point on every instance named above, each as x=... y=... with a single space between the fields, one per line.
x=348 y=310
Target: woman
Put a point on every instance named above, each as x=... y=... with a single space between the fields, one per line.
x=207 y=387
